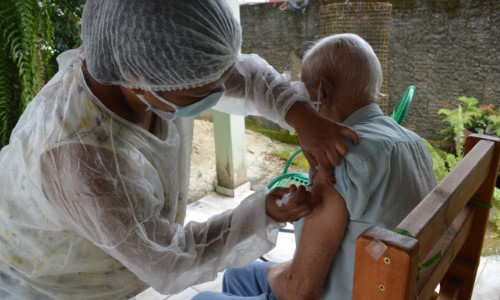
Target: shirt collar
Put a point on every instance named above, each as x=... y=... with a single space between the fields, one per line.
x=366 y=112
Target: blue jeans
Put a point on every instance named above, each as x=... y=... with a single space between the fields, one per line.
x=249 y=282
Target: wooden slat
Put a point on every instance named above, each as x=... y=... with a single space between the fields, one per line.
x=452 y=240
x=450 y=290
x=438 y=210
x=471 y=251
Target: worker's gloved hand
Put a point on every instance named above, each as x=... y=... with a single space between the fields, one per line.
x=290 y=204
x=323 y=141
x=324 y=147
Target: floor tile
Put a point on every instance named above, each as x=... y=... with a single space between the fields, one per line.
x=487 y=285
x=213 y=286
x=150 y=294
x=184 y=295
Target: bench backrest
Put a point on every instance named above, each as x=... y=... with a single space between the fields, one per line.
x=446 y=231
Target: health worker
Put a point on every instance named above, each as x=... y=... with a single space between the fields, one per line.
x=94 y=182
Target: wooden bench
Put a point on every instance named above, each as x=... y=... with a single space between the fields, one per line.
x=439 y=242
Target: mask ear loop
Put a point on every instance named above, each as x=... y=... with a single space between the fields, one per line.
x=166 y=115
x=164 y=101
x=143 y=100
x=316 y=104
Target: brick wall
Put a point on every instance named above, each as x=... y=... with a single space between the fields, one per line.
x=446 y=48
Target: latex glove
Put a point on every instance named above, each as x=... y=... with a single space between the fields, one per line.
x=322 y=140
x=300 y=205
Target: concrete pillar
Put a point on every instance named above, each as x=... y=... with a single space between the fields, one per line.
x=229 y=134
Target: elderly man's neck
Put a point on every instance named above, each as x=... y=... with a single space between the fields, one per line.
x=343 y=106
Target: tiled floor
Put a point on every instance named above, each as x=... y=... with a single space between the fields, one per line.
x=487 y=286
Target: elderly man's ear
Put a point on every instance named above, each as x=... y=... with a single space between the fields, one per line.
x=326 y=91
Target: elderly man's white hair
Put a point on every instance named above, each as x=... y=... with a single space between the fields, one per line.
x=159 y=44
x=346 y=59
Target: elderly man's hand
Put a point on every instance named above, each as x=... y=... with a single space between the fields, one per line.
x=300 y=203
x=323 y=141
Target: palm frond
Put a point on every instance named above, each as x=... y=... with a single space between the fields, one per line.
x=8 y=94
x=26 y=36
x=27 y=47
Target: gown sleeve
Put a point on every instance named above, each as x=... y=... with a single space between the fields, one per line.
x=256 y=88
x=115 y=201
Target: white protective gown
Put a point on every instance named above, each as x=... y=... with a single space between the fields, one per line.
x=92 y=206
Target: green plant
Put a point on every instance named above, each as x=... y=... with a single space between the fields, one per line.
x=495 y=215
x=299 y=163
x=25 y=42
x=29 y=31
x=483 y=119
x=442 y=161
x=275 y=134
x=488 y=122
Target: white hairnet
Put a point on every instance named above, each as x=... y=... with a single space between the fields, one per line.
x=159 y=45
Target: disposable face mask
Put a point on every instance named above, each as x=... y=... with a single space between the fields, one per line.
x=195 y=108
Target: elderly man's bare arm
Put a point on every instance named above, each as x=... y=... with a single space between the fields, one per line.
x=303 y=277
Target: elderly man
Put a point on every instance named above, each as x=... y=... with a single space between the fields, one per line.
x=377 y=183
x=94 y=181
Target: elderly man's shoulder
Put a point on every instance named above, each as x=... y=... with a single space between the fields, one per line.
x=379 y=134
